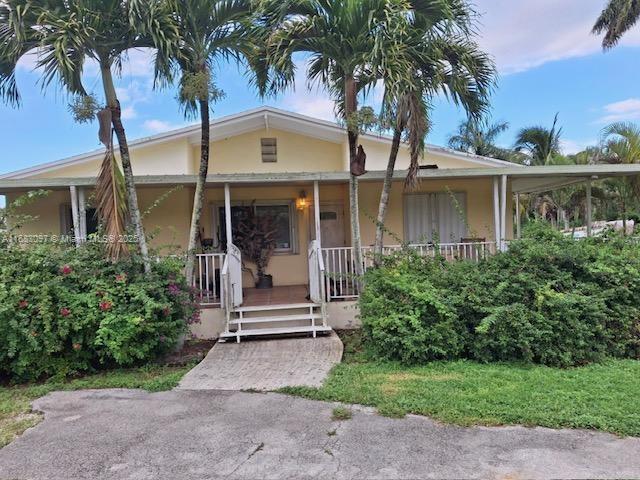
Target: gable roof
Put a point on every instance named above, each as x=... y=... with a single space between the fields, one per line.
x=248 y=121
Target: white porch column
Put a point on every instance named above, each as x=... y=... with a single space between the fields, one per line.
x=518 y=221
x=316 y=211
x=75 y=216
x=496 y=211
x=503 y=212
x=227 y=214
x=82 y=213
x=589 y=212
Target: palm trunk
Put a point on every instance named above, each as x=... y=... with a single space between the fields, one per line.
x=351 y=107
x=132 y=197
x=386 y=190
x=198 y=198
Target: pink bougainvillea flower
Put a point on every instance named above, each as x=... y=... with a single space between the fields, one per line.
x=105 y=305
x=76 y=346
x=23 y=303
x=66 y=269
x=121 y=277
x=173 y=289
x=65 y=312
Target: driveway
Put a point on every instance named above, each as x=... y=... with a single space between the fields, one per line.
x=129 y=434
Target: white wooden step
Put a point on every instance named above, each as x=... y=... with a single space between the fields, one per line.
x=275 y=331
x=280 y=318
x=284 y=306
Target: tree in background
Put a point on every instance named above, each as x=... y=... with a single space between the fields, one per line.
x=615 y=20
x=68 y=33
x=478 y=137
x=541 y=145
x=622 y=146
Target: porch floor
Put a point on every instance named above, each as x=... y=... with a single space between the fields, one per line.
x=280 y=295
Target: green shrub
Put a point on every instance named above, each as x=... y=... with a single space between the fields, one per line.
x=548 y=299
x=406 y=317
x=66 y=310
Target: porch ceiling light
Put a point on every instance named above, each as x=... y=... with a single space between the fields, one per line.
x=301 y=201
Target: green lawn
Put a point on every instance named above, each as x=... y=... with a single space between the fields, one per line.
x=15 y=411
x=603 y=396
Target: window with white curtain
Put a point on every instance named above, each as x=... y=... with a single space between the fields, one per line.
x=435 y=216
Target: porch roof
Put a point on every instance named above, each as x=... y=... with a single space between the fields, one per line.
x=522 y=179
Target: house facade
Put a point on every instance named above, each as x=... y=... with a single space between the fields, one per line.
x=294 y=170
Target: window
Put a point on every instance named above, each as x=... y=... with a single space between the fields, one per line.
x=435 y=216
x=269 y=148
x=66 y=220
x=282 y=214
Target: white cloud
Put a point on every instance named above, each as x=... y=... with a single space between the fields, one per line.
x=158 y=126
x=570 y=147
x=524 y=34
x=313 y=102
x=129 y=113
x=628 y=109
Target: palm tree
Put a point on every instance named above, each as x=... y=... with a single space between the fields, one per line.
x=349 y=43
x=615 y=20
x=540 y=144
x=622 y=145
x=210 y=31
x=441 y=58
x=66 y=34
x=479 y=138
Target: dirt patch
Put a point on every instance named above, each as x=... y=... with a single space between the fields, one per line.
x=192 y=351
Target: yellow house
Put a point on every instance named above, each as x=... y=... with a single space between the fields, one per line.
x=294 y=170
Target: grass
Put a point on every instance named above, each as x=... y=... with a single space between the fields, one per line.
x=600 y=396
x=15 y=410
x=341 y=413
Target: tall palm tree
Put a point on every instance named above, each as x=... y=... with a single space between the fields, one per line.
x=441 y=58
x=210 y=31
x=615 y=20
x=479 y=138
x=541 y=144
x=622 y=145
x=66 y=34
x=349 y=43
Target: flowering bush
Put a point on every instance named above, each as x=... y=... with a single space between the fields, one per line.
x=65 y=310
x=548 y=299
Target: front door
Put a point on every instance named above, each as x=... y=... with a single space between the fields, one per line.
x=331 y=225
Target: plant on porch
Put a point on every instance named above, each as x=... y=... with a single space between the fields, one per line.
x=255 y=236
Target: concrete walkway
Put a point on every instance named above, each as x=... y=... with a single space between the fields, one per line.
x=265 y=364
x=129 y=434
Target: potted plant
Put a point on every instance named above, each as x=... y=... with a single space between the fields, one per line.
x=255 y=237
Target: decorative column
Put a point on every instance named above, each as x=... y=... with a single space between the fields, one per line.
x=75 y=215
x=496 y=211
x=316 y=211
x=518 y=221
x=82 y=214
x=589 y=211
x=503 y=212
x=227 y=214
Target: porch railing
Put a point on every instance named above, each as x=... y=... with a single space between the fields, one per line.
x=207 y=277
x=340 y=279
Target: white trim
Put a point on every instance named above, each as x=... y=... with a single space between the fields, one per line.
x=244 y=122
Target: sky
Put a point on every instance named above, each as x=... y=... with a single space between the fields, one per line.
x=548 y=63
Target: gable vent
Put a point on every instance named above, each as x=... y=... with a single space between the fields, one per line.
x=269 y=150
